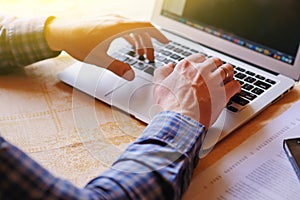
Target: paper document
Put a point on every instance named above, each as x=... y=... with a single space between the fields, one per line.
x=257 y=169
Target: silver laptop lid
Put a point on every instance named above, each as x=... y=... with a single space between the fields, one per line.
x=265 y=33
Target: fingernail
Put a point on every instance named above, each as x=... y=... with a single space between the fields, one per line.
x=129 y=75
x=151 y=58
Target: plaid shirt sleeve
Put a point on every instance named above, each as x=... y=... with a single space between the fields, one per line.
x=158 y=165
x=22 y=42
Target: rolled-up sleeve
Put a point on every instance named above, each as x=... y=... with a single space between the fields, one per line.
x=22 y=41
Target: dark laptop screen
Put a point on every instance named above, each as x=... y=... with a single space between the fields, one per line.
x=269 y=27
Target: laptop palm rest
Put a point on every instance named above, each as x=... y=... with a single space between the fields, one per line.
x=136 y=98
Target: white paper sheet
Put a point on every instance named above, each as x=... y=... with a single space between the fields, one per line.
x=257 y=169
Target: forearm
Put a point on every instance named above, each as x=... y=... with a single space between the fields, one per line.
x=158 y=165
x=23 y=178
x=22 y=42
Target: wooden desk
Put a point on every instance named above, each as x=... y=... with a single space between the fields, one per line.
x=43 y=117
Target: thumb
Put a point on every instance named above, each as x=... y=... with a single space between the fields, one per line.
x=117 y=67
x=121 y=69
x=162 y=72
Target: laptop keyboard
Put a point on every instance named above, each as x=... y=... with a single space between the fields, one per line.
x=253 y=84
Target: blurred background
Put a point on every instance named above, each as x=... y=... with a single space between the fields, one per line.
x=137 y=9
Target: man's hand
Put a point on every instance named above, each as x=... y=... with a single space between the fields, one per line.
x=197 y=87
x=88 y=38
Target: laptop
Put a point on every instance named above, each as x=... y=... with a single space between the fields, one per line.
x=259 y=38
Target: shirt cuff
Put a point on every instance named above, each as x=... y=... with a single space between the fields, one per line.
x=168 y=137
x=176 y=130
x=27 y=41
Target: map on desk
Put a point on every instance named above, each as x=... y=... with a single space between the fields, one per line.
x=37 y=114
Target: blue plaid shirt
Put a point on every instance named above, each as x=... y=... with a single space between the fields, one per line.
x=158 y=165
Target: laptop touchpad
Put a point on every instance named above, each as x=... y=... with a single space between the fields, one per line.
x=136 y=98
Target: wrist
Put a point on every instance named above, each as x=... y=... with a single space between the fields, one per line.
x=51 y=34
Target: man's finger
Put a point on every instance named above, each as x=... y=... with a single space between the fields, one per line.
x=129 y=39
x=148 y=46
x=196 y=58
x=231 y=88
x=121 y=69
x=138 y=44
x=162 y=72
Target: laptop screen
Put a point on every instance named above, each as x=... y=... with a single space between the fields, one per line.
x=269 y=27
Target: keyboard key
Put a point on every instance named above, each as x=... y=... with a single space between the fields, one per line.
x=185 y=53
x=240 y=69
x=185 y=47
x=257 y=91
x=175 y=43
x=140 y=65
x=177 y=50
x=262 y=85
x=167 y=61
x=240 y=75
x=131 y=61
x=250 y=79
x=247 y=95
x=248 y=87
x=170 y=47
x=131 y=53
x=232 y=109
x=160 y=58
x=250 y=73
x=175 y=57
x=237 y=99
x=260 y=77
x=150 y=70
x=157 y=50
x=166 y=53
x=271 y=81
x=241 y=82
